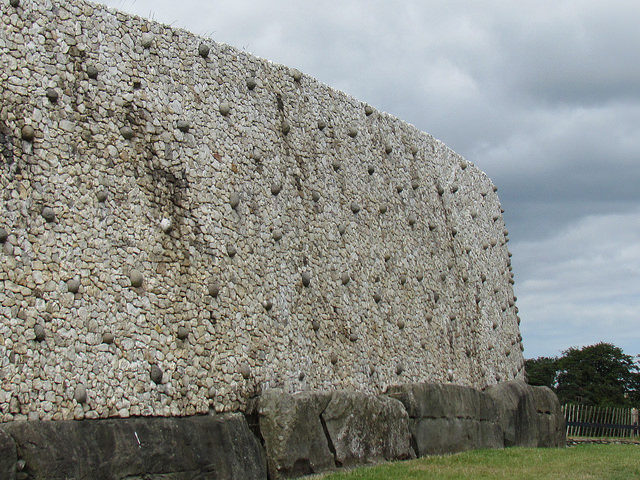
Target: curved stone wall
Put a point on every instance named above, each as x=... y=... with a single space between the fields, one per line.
x=184 y=225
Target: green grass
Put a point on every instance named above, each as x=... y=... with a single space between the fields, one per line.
x=583 y=462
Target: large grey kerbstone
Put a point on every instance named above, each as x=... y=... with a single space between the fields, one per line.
x=530 y=416
x=293 y=435
x=516 y=413
x=204 y=447
x=367 y=429
x=449 y=418
x=8 y=456
x=551 y=422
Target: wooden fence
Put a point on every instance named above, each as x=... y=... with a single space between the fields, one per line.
x=589 y=421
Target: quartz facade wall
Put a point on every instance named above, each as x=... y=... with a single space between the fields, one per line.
x=184 y=225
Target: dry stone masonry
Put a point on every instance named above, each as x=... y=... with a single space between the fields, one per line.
x=184 y=226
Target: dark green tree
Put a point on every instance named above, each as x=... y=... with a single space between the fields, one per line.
x=542 y=371
x=598 y=374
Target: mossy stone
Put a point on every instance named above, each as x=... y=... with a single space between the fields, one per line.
x=156 y=374
x=73 y=285
x=136 y=278
x=52 y=95
x=203 y=50
x=48 y=214
x=224 y=108
x=28 y=133
x=182 y=333
x=39 y=333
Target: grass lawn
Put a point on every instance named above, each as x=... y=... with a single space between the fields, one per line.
x=610 y=462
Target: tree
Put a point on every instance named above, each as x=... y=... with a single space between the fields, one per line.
x=542 y=371
x=599 y=374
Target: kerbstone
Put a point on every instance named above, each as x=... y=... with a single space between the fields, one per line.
x=294 y=438
x=447 y=418
x=367 y=429
x=8 y=456
x=203 y=447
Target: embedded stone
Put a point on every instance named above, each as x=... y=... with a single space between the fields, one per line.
x=399 y=369
x=403 y=279
x=147 y=40
x=440 y=190
x=39 y=332
x=353 y=337
x=166 y=224
x=371 y=170
x=463 y=165
x=136 y=278
x=333 y=359
x=48 y=214
x=342 y=228
x=224 y=108
x=383 y=208
x=183 y=126
x=368 y=110
x=245 y=371
x=400 y=324
x=306 y=278
x=213 y=288
x=277 y=234
x=454 y=188
x=156 y=374
x=285 y=127
x=73 y=285
x=321 y=124
x=388 y=149
x=108 y=338
x=92 y=72
x=251 y=83
x=315 y=324
x=127 y=133
x=52 y=95
x=352 y=132
x=276 y=188
x=231 y=250
x=336 y=165
x=14 y=3
x=415 y=183
x=296 y=74
x=315 y=196
x=267 y=305
x=3 y=235
x=28 y=133
x=355 y=208
x=387 y=256
x=419 y=277
x=182 y=333
x=80 y=394
x=101 y=196
x=414 y=149
x=377 y=297
x=234 y=200
x=412 y=220
x=203 y=50
x=399 y=188
x=345 y=278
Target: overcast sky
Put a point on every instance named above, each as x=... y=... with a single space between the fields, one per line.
x=544 y=96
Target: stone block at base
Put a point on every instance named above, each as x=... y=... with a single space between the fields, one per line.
x=367 y=429
x=179 y=448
